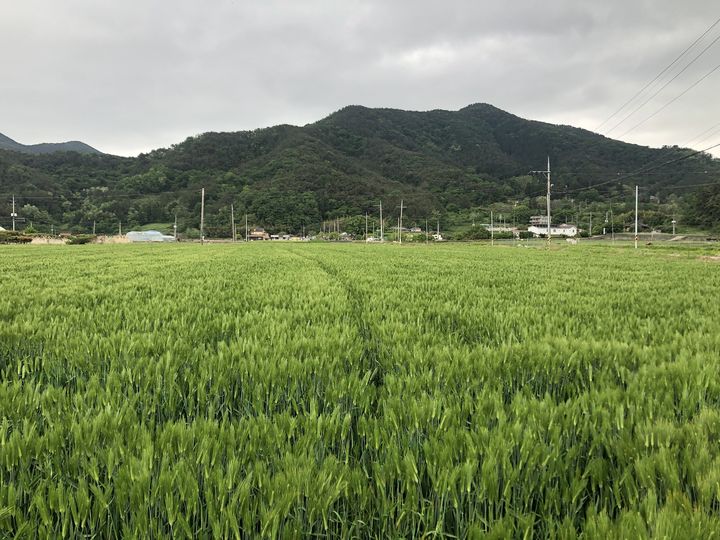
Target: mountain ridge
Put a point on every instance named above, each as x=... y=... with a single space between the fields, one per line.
x=6 y=143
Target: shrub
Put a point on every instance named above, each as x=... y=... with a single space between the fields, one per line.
x=12 y=237
x=79 y=239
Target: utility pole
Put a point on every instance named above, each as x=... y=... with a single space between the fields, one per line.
x=13 y=214
x=590 y=233
x=674 y=222
x=400 y=222
x=549 y=185
x=246 y=228
x=382 y=225
x=636 y=217
x=120 y=228
x=232 y=222
x=427 y=232
x=366 y=226
x=202 y=216
x=175 y=228
x=93 y=227
x=382 y=234
x=492 y=230
x=438 y=229
x=548 y=198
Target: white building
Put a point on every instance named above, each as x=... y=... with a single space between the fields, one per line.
x=555 y=230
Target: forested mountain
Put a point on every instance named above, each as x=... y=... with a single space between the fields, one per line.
x=6 y=143
x=285 y=177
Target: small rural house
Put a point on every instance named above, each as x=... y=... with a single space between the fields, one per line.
x=539 y=221
x=258 y=233
x=555 y=230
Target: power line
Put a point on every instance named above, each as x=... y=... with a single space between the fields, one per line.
x=644 y=169
x=685 y=173
x=112 y=195
x=687 y=146
x=685 y=186
x=694 y=139
x=636 y=109
x=681 y=94
x=713 y=134
x=666 y=68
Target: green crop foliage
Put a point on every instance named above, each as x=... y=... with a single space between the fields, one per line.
x=359 y=391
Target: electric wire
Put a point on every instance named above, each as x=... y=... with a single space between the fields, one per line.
x=673 y=100
x=671 y=64
x=636 y=109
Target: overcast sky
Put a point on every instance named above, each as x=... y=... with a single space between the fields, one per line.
x=129 y=76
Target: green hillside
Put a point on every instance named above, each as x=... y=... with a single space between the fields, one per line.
x=442 y=163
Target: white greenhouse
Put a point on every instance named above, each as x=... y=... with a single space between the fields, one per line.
x=149 y=236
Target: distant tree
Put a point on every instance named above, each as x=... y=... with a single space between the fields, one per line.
x=147 y=211
x=355 y=226
x=704 y=207
x=521 y=215
x=474 y=233
x=33 y=214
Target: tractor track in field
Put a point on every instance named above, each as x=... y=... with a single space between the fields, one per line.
x=372 y=350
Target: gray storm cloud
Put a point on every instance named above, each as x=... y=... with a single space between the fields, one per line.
x=128 y=77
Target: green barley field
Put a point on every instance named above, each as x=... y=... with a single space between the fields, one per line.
x=359 y=391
